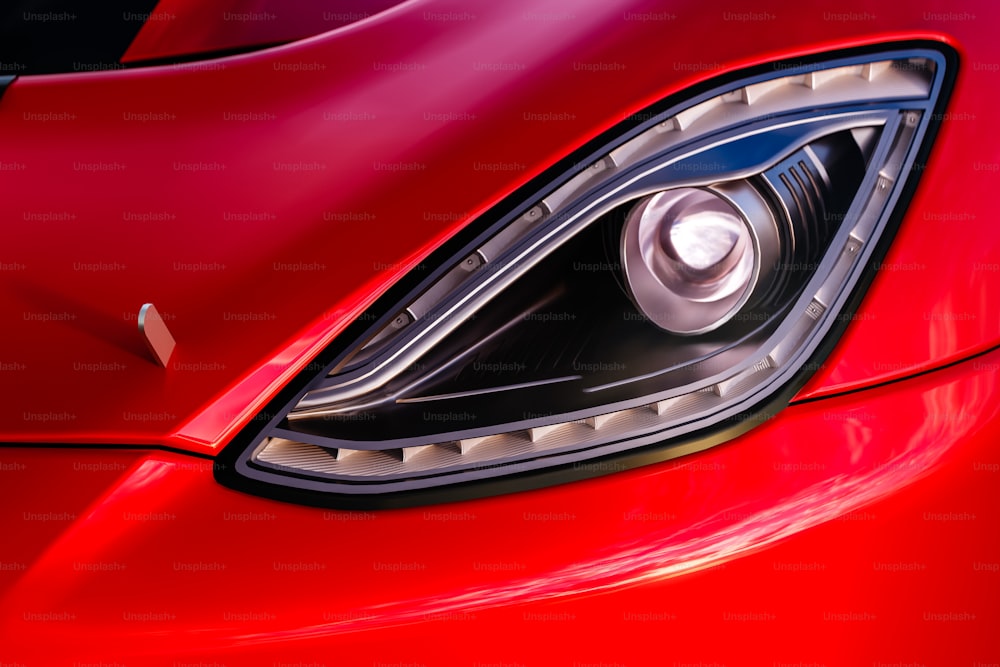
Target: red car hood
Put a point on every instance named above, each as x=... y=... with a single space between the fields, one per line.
x=261 y=202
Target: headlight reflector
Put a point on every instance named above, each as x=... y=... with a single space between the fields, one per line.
x=691 y=256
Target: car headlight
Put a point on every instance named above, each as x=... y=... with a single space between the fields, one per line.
x=670 y=294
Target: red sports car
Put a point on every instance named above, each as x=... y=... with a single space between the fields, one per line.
x=513 y=333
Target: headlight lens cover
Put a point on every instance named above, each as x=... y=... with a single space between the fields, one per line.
x=667 y=297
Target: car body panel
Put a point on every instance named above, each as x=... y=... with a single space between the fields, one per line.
x=218 y=192
x=190 y=27
x=878 y=510
x=263 y=201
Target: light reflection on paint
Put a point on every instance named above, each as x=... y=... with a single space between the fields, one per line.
x=723 y=503
x=875 y=470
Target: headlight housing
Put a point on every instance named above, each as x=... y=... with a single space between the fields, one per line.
x=665 y=297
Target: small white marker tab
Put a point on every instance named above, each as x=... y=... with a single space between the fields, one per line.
x=154 y=331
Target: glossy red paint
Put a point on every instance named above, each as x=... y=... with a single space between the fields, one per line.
x=189 y=27
x=203 y=187
x=870 y=517
x=856 y=529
